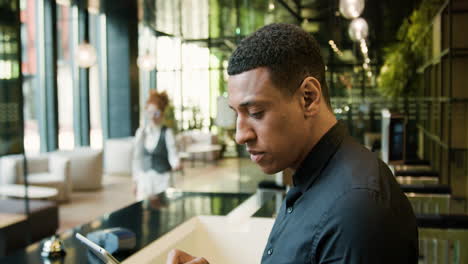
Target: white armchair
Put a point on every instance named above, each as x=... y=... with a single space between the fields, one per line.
x=44 y=170
x=188 y=142
x=8 y=170
x=85 y=167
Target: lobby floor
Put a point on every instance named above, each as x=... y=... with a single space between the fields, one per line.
x=228 y=175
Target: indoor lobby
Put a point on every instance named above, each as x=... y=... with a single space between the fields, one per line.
x=83 y=82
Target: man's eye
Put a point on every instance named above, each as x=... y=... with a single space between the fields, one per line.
x=257 y=115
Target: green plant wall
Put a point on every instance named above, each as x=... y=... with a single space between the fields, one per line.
x=397 y=76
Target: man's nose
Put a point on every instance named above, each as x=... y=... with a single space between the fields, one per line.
x=244 y=132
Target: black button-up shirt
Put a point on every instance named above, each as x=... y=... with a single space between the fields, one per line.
x=345 y=207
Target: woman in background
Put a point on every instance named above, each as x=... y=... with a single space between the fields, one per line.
x=155 y=153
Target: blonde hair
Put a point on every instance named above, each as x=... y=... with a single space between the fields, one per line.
x=161 y=100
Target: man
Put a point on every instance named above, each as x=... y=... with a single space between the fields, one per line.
x=345 y=206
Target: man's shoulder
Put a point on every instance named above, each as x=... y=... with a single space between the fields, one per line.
x=352 y=168
x=361 y=181
x=356 y=204
x=352 y=152
x=363 y=223
x=355 y=165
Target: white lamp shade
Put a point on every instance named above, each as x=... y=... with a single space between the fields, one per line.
x=351 y=9
x=146 y=62
x=85 y=55
x=358 y=29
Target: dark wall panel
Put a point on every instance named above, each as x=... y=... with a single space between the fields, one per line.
x=122 y=72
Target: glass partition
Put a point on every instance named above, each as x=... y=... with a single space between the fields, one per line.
x=30 y=76
x=11 y=92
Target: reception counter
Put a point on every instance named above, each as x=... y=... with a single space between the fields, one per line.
x=202 y=222
x=149 y=220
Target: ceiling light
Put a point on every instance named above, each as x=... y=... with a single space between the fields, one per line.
x=358 y=29
x=351 y=9
x=146 y=62
x=85 y=55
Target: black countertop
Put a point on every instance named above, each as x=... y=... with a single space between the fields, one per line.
x=148 y=219
x=151 y=220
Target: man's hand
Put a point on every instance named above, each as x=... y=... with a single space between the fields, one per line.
x=176 y=256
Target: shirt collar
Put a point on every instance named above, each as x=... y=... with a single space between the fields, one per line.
x=319 y=156
x=152 y=127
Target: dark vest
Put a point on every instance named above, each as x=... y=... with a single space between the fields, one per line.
x=158 y=159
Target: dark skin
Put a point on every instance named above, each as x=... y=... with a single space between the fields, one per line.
x=278 y=130
x=176 y=256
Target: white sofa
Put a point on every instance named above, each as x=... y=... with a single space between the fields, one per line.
x=86 y=168
x=45 y=170
x=193 y=139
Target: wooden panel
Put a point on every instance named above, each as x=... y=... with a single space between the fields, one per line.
x=459 y=125
x=460 y=4
x=445 y=123
x=437 y=36
x=445 y=27
x=445 y=78
x=438 y=79
x=459 y=21
x=459 y=180
x=459 y=75
x=444 y=173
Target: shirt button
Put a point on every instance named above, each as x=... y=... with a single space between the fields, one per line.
x=270 y=251
x=289 y=210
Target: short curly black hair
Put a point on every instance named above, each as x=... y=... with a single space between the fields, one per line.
x=289 y=53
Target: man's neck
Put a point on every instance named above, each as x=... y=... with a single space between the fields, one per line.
x=319 y=128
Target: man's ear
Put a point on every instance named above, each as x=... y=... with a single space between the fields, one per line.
x=310 y=94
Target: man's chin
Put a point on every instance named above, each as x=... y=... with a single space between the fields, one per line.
x=270 y=170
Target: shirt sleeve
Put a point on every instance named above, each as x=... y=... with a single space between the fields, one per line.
x=137 y=163
x=359 y=229
x=171 y=149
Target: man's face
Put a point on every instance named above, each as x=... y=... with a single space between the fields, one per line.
x=269 y=123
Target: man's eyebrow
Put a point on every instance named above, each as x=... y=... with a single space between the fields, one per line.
x=248 y=104
x=252 y=103
x=244 y=104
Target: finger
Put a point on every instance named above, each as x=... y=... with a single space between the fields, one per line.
x=198 y=261
x=176 y=256
x=173 y=257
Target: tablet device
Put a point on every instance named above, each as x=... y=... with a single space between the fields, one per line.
x=101 y=253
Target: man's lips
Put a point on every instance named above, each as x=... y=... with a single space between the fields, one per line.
x=256 y=156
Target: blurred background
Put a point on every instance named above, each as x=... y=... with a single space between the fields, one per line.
x=75 y=76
